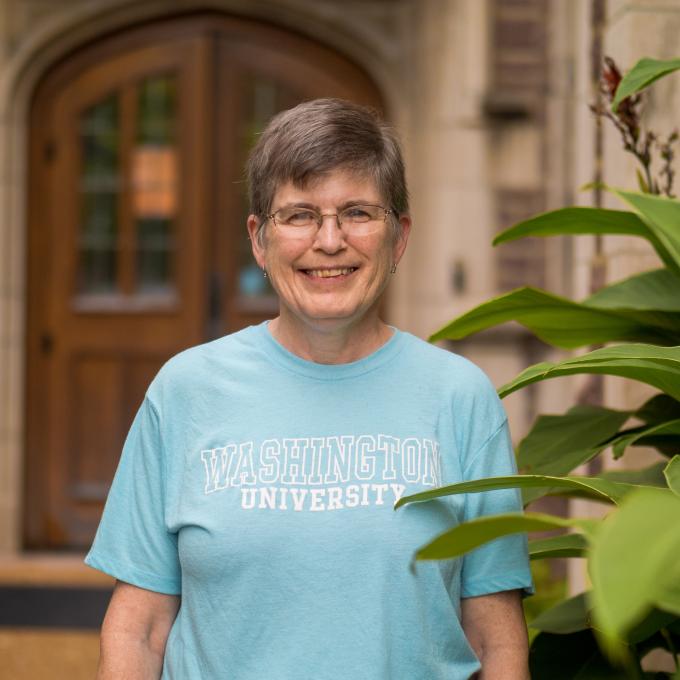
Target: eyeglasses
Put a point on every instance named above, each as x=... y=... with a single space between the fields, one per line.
x=354 y=220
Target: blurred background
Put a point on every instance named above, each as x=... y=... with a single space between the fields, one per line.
x=124 y=126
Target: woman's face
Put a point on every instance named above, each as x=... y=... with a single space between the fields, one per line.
x=305 y=271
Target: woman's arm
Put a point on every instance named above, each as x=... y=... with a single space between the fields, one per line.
x=495 y=628
x=134 y=633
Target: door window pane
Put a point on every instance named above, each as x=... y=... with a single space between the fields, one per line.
x=153 y=255
x=99 y=186
x=155 y=184
x=157 y=105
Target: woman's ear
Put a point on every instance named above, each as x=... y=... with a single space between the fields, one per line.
x=401 y=240
x=253 y=224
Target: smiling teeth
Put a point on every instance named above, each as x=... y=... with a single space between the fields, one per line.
x=326 y=273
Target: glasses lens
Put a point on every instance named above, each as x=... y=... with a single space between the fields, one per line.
x=360 y=214
x=295 y=217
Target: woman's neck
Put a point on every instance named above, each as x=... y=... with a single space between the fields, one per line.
x=330 y=344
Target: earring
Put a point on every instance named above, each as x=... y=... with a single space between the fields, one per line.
x=394 y=269
x=264 y=272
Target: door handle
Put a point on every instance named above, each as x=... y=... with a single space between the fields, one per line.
x=46 y=343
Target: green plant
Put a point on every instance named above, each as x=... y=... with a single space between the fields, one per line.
x=634 y=552
x=549 y=592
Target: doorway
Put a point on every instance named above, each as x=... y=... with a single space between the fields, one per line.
x=137 y=245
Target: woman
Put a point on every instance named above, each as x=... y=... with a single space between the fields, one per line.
x=258 y=480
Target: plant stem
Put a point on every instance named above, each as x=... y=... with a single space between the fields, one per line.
x=648 y=176
x=671 y=646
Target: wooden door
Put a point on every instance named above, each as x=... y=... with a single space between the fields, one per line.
x=137 y=242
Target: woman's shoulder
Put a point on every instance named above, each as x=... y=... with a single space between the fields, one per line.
x=448 y=378
x=194 y=365
x=444 y=364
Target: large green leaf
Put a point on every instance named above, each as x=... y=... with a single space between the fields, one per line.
x=568 y=616
x=470 y=535
x=662 y=216
x=564 y=323
x=576 y=220
x=669 y=599
x=672 y=474
x=659 y=409
x=581 y=487
x=664 y=436
x=582 y=220
x=656 y=366
x=567 y=545
x=644 y=73
x=529 y=495
x=557 y=444
x=648 y=476
x=658 y=289
x=625 y=589
x=655 y=620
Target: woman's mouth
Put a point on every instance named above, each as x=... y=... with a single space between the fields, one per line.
x=329 y=273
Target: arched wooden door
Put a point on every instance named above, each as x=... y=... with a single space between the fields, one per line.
x=137 y=242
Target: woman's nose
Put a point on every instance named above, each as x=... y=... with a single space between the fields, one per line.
x=330 y=236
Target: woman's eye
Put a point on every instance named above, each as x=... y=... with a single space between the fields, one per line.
x=301 y=216
x=356 y=213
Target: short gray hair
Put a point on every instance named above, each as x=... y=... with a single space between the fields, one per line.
x=317 y=137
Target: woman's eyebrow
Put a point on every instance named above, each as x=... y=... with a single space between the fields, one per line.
x=357 y=201
x=313 y=206
x=299 y=204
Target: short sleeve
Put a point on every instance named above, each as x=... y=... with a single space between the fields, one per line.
x=501 y=564
x=132 y=542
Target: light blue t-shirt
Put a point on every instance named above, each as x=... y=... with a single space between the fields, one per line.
x=261 y=487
